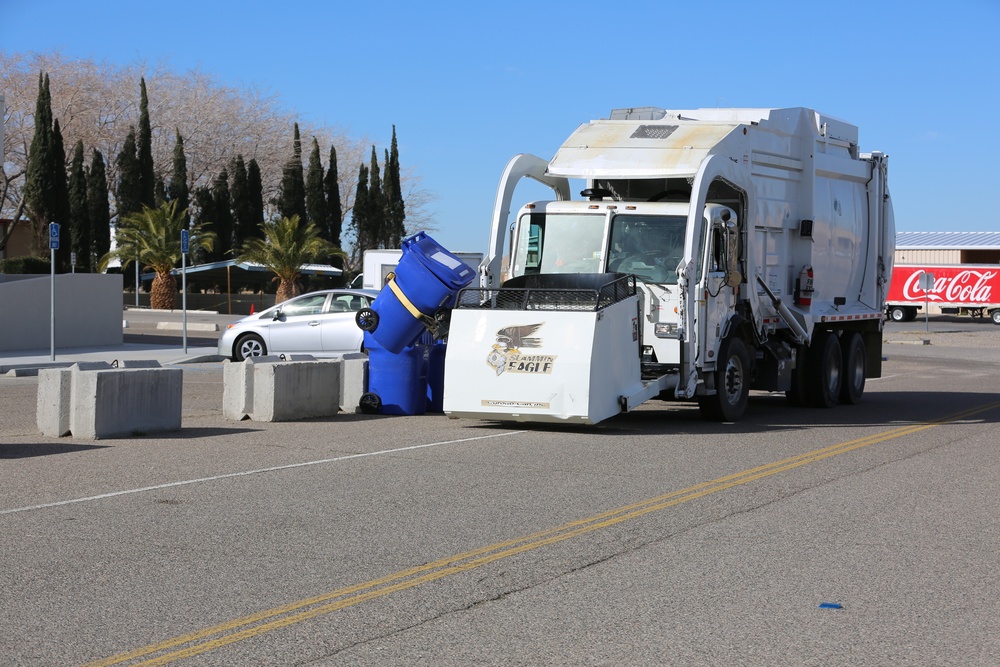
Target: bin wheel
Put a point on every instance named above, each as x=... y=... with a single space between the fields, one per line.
x=370 y=403
x=367 y=319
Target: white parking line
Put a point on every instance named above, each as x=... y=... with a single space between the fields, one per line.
x=168 y=485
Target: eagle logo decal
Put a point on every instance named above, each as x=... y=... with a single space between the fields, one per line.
x=506 y=354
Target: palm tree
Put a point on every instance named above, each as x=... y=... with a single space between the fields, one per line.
x=286 y=247
x=154 y=237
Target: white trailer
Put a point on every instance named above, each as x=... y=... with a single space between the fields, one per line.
x=713 y=251
x=378 y=264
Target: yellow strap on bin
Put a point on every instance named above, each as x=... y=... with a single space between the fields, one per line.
x=391 y=281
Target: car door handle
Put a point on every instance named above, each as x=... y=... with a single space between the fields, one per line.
x=314 y=323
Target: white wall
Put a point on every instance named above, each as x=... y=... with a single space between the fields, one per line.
x=88 y=311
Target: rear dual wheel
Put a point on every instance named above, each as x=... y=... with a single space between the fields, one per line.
x=834 y=371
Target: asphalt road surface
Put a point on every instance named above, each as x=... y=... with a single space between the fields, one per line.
x=859 y=535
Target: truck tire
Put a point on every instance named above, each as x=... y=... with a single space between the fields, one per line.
x=995 y=316
x=732 y=384
x=899 y=314
x=824 y=362
x=852 y=386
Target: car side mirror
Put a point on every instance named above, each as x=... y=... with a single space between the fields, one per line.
x=277 y=315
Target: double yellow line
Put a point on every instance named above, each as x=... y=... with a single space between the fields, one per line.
x=217 y=636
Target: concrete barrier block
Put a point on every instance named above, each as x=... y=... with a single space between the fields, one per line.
x=237 y=386
x=52 y=412
x=353 y=380
x=125 y=402
x=295 y=390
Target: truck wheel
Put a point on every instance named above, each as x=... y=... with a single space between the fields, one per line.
x=732 y=384
x=824 y=362
x=995 y=316
x=899 y=314
x=911 y=314
x=852 y=349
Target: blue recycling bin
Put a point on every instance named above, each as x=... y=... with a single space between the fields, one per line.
x=426 y=280
x=397 y=382
x=435 y=377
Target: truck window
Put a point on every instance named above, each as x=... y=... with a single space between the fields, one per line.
x=650 y=247
x=559 y=243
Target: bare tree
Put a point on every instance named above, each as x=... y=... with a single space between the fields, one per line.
x=97 y=103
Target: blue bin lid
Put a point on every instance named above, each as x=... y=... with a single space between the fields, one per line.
x=445 y=266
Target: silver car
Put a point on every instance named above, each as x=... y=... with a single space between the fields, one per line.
x=318 y=323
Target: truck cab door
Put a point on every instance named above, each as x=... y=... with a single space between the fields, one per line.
x=723 y=277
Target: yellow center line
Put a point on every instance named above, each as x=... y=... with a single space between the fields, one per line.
x=301 y=610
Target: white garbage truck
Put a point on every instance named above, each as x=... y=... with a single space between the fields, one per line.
x=710 y=252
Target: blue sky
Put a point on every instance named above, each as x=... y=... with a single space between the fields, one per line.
x=470 y=84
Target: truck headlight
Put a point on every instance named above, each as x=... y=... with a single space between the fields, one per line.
x=665 y=330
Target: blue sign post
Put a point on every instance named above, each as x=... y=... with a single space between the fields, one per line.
x=185 y=247
x=53 y=246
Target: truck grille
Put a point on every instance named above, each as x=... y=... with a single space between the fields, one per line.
x=552 y=292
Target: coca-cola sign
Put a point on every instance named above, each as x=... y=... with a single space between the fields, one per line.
x=951 y=284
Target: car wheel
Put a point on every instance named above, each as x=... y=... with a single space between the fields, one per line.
x=250 y=345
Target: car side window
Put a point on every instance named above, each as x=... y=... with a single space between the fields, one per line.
x=348 y=303
x=307 y=305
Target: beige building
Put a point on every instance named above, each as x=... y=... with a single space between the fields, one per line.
x=947 y=248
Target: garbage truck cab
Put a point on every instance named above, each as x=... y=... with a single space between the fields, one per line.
x=760 y=243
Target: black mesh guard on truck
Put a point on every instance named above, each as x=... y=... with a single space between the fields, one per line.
x=552 y=291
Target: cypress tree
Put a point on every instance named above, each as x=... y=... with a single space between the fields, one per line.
x=147 y=177
x=395 y=207
x=292 y=195
x=39 y=185
x=359 y=217
x=178 y=189
x=242 y=220
x=99 y=210
x=255 y=196
x=159 y=192
x=205 y=204
x=61 y=207
x=315 y=198
x=127 y=196
x=331 y=188
x=223 y=222
x=376 y=206
x=79 y=211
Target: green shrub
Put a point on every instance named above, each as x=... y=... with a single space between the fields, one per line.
x=16 y=265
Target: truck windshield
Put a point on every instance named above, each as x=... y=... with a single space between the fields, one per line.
x=559 y=243
x=648 y=246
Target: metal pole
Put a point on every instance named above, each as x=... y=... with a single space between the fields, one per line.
x=52 y=318
x=137 y=281
x=184 y=297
